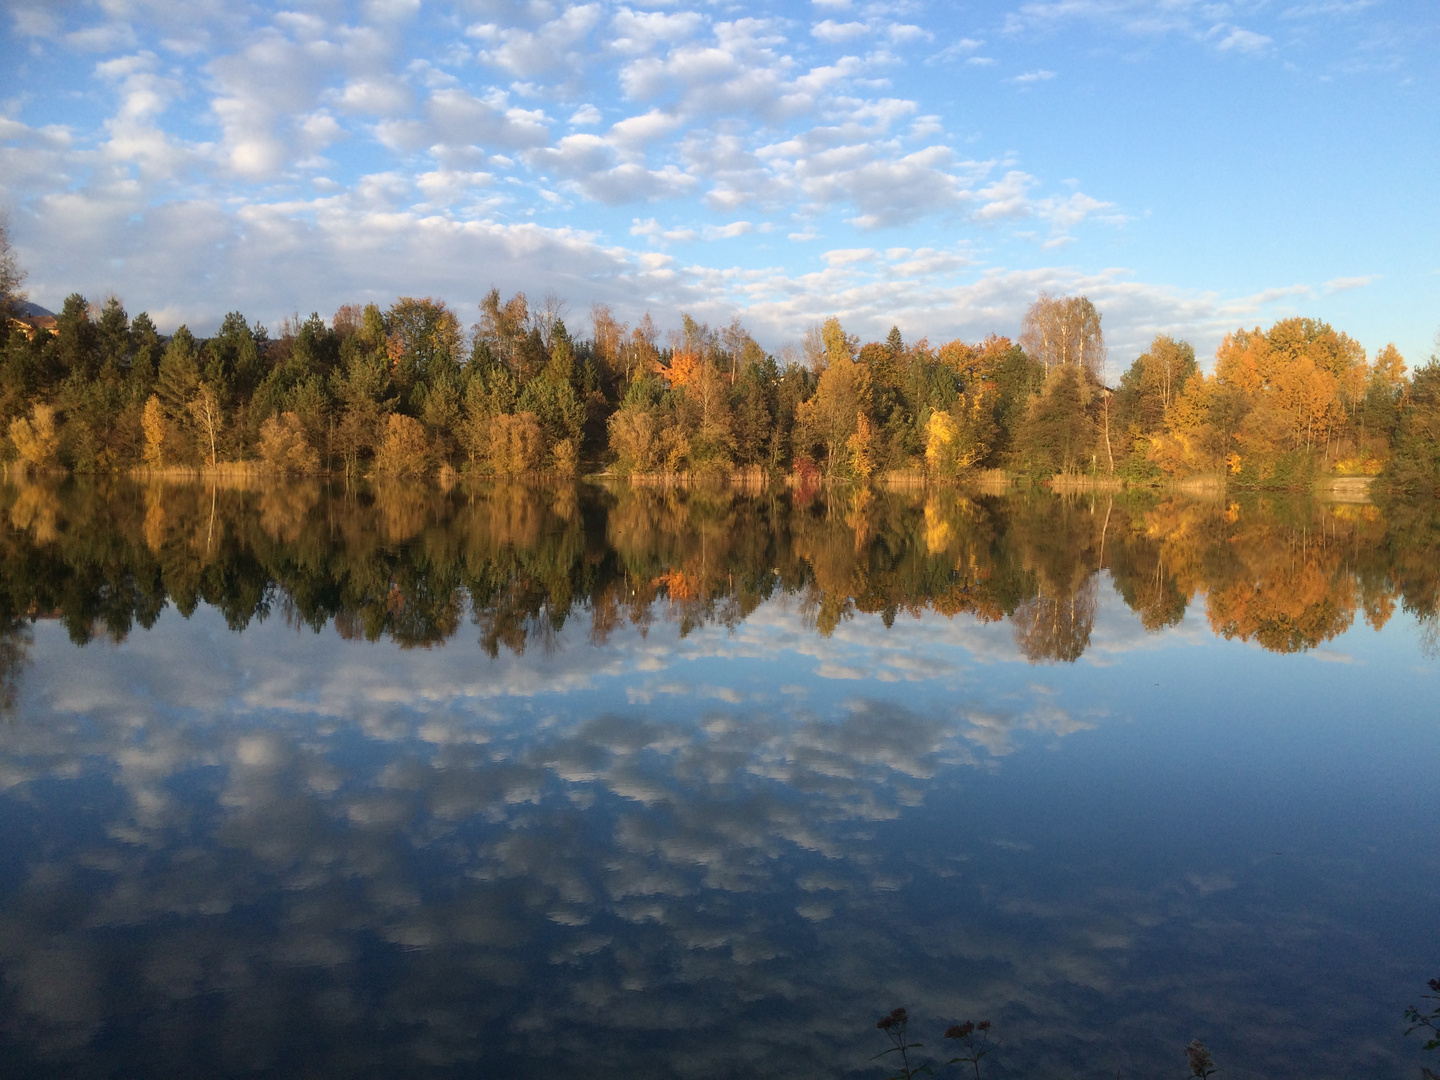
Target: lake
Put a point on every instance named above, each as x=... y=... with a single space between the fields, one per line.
x=327 y=780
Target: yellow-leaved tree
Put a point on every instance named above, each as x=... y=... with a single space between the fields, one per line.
x=632 y=437
x=831 y=416
x=284 y=447
x=961 y=437
x=403 y=450
x=862 y=447
x=35 y=437
x=516 y=443
x=152 y=422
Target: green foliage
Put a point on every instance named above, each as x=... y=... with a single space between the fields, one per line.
x=1058 y=431
x=1414 y=466
x=77 y=342
x=179 y=372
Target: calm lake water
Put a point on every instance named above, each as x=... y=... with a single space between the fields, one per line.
x=387 y=782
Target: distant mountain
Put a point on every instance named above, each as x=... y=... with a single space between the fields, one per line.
x=33 y=311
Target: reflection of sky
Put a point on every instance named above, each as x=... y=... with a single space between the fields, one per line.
x=722 y=853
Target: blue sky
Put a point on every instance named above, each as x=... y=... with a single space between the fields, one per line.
x=1192 y=167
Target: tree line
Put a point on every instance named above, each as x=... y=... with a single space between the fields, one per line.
x=408 y=390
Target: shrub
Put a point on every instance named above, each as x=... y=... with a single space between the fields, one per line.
x=515 y=444
x=404 y=450
x=35 y=438
x=284 y=448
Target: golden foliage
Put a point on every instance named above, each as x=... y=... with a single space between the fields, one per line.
x=36 y=508
x=35 y=438
x=941 y=433
x=566 y=455
x=960 y=438
x=155 y=523
x=285 y=509
x=283 y=446
x=403 y=450
x=516 y=442
x=1389 y=367
x=152 y=423
x=632 y=437
x=684 y=367
x=937 y=528
x=862 y=447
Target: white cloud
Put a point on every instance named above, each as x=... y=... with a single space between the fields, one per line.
x=847 y=256
x=1345 y=284
x=389 y=11
x=444 y=187
x=1246 y=41
x=642 y=32
x=106 y=37
x=831 y=31
x=259 y=90
x=380 y=95
x=900 y=33
x=727 y=232
x=456 y=117
x=555 y=45
x=726 y=121
x=635 y=131
x=1007 y=197
x=964 y=47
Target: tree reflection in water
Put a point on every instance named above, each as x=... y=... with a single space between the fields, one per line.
x=412 y=563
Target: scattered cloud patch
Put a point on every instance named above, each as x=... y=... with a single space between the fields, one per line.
x=831 y=31
x=1245 y=41
x=1345 y=284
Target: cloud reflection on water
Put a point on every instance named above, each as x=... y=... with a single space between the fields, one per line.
x=298 y=852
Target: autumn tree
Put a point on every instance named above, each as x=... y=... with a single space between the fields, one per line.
x=424 y=341
x=505 y=331
x=154 y=425
x=1152 y=383
x=515 y=445
x=1064 y=330
x=360 y=386
x=962 y=436
x=283 y=446
x=1297 y=388
x=204 y=409
x=403 y=451
x=35 y=437
x=831 y=416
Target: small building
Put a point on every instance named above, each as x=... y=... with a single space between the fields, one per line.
x=32 y=319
